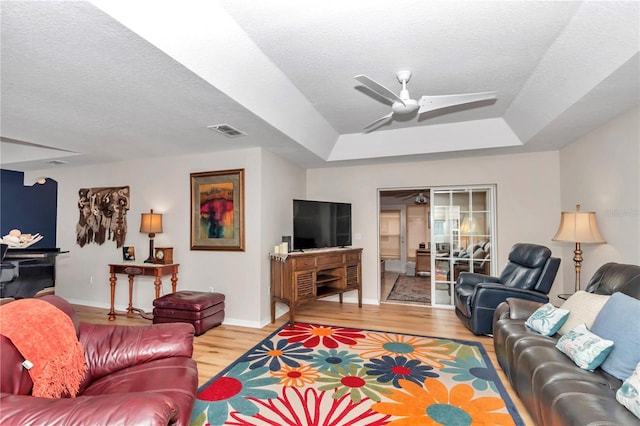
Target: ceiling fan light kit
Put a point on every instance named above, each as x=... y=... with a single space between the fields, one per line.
x=403 y=104
x=408 y=105
x=421 y=199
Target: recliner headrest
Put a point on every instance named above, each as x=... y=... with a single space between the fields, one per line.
x=612 y=277
x=530 y=255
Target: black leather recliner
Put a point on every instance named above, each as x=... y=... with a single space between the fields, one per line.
x=529 y=274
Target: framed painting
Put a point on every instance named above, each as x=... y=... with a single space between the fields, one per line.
x=128 y=253
x=217 y=210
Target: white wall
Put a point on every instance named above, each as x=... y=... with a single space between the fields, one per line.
x=164 y=185
x=282 y=181
x=601 y=172
x=528 y=199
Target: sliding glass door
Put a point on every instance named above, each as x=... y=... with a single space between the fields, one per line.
x=462 y=236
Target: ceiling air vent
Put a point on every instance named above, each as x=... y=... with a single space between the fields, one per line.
x=227 y=130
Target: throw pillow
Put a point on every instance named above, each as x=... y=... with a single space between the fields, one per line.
x=584 y=348
x=583 y=308
x=618 y=321
x=629 y=393
x=547 y=319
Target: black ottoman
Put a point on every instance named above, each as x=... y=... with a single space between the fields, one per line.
x=201 y=309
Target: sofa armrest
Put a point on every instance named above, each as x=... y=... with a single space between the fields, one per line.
x=473 y=279
x=140 y=408
x=490 y=295
x=110 y=348
x=515 y=308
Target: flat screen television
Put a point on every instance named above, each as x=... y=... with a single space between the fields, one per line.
x=319 y=224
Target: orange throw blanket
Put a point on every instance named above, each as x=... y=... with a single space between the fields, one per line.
x=45 y=335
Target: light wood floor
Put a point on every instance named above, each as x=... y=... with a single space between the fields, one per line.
x=222 y=345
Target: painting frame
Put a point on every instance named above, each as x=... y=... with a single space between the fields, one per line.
x=220 y=195
x=128 y=254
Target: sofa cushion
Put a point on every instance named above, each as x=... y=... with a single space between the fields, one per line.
x=618 y=321
x=576 y=402
x=174 y=379
x=629 y=393
x=583 y=308
x=586 y=349
x=547 y=319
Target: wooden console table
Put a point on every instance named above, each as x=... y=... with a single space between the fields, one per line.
x=300 y=277
x=131 y=269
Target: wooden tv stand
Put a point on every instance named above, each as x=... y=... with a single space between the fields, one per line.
x=303 y=276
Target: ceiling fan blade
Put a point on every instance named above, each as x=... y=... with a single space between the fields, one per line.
x=414 y=195
x=432 y=103
x=378 y=121
x=379 y=89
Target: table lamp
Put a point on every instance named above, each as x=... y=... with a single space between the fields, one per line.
x=151 y=223
x=578 y=227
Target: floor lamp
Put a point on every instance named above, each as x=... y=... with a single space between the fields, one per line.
x=151 y=223
x=578 y=227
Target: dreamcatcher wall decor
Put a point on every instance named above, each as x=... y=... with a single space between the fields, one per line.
x=103 y=215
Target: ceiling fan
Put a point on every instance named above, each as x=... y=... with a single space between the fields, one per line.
x=418 y=196
x=403 y=104
x=421 y=199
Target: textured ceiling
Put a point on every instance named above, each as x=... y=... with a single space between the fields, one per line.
x=108 y=80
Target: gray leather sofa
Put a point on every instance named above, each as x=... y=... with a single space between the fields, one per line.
x=554 y=390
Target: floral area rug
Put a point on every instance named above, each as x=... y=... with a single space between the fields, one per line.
x=337 y=376
x=411 y=289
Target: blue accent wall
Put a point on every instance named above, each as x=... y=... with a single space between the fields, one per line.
x=31 y=209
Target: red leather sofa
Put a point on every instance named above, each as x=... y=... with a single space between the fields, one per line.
x=137 y=375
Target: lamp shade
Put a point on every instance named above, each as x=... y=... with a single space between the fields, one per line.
x=469 y=226
x=578 y=227
x=151 y=223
